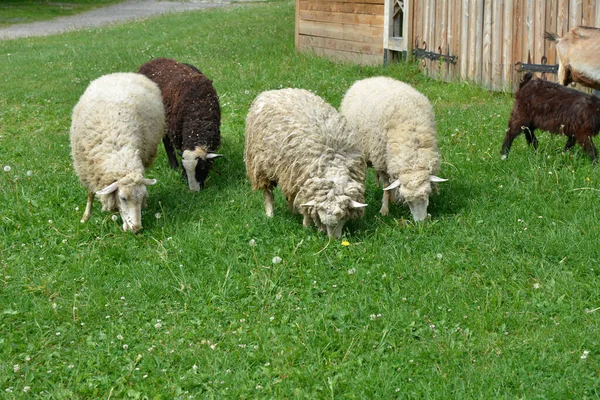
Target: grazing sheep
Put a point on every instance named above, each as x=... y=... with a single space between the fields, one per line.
x=193 y=117
x=556 y=109
x=396 y=124
x=578 y=55
x=116 y=128
x=296 y=140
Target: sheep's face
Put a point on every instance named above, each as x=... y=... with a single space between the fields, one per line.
x=129 y=200
x=196 y=165
x=334 y=210
x=415 y=193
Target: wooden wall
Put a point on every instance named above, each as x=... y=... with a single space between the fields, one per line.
x=343 y=30
x=490 y=36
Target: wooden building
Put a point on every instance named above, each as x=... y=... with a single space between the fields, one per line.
x=483 y=41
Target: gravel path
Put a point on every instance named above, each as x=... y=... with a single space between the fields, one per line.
x=117 y=13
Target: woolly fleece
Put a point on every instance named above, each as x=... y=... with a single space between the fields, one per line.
x=396 y=124
x=115 y=131
x=296 y=140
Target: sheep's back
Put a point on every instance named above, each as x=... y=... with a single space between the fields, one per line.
x=292 y=134
x=116 y=112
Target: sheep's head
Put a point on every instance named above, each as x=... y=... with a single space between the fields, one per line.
x=333 y=204
x=196 y=165
x=415 y=192
x=128 y=196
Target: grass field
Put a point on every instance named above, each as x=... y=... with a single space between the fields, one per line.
x=496 y=296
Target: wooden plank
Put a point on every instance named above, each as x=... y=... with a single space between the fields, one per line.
x=381 y=2
x=343 y=45
x=589 y=13
x=575 y=12
x=357 y=33
x=297 y=23
x=538 y=30
x=550 y=26
x=345 y=18
x=464 y=40
x=335 y=6
x=344 y=56
x=562 y=15
x=507 y=49
x=496 y=49
x=486 y=44
x=387 y=23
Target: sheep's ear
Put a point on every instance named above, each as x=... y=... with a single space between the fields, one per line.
x=311 y=203
x=149 y=182
x=356 y=204
x=210 y=156
x=434 y=178
x=109 y=189
x=393 y=185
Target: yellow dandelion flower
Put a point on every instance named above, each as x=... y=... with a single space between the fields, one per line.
x=345 y=243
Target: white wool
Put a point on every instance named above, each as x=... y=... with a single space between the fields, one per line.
x=116 y=128
x=294 y=139
x=396 y=124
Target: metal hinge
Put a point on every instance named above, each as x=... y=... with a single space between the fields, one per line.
x=423 y=53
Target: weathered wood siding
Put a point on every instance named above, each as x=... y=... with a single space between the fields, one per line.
x=344 y=30
x=490 y=36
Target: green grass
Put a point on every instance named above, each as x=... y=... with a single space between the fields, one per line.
x=488 y=299
x=24 y=11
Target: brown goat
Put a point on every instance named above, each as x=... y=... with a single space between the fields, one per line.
x=548 y=106
x=579 y=56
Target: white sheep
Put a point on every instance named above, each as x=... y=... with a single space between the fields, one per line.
x=296 y=140
x=116 y=128
x=396 y=124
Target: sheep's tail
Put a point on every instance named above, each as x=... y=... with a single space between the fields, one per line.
x=526 y=78
x=553 y=37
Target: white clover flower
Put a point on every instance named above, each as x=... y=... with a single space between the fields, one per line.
x=158 y=215
x=246 y=92
x=16 y=368
x=351 y=271
x=7 y=168
x=195 y=367
x=120 y=337
x=276 y=260
x=114 y=217
x=439 y=256
x=372 y=317
x=29 y=173
x=26 y=389
x=158 y=325
x=125 y=346
x=252 y=242
x=585 y=354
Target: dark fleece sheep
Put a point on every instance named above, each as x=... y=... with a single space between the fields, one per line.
x=193 y=117
x=548 y=106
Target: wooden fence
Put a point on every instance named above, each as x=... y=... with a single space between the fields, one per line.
x=346 y=30
x=487 y=37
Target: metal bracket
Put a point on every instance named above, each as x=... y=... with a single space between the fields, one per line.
x=423 y=53
x=543 y=67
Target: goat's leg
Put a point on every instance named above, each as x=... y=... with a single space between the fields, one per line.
x=570 y=143
x=88 y=207
x=385 y=202
x=588 y=146
x=514 y=130
x=170 y=153
x=529 y=136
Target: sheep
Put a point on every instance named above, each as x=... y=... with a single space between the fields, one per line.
x=116 y=128
x=296 y=140
x=396 y=124
x=578 y=55
x=554 y=108
x=193 y=117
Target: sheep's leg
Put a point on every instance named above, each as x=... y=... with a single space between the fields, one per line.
x=170 y=150
x=530 y=137
x=385 y=202
x=268 y=202
x=570 y=143
x=306 y=220
x=589 y=147
x=88 y=207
